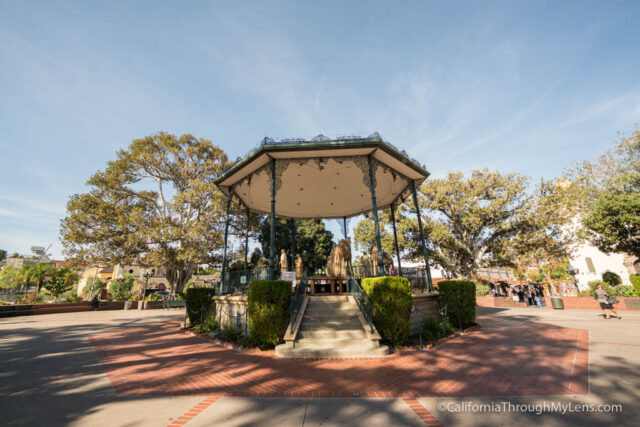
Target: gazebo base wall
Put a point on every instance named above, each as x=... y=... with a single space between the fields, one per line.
x=423 y=306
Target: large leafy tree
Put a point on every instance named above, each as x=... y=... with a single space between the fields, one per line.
x=487 y=218
x=471 y=220
x=313 y=241
x=3 y=255
x=612 y=214
x=155 y=205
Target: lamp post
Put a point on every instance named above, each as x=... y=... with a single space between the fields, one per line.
x=146 y=276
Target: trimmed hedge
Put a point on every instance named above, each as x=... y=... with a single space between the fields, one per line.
x=268 y=303
x=460 y=298
x=391 y=300
x=635 y=280
x=198 y=301
x=611 y=278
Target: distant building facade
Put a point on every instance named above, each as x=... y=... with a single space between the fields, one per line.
x=591 y=263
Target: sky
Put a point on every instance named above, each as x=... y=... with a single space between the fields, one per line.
x=516 y=86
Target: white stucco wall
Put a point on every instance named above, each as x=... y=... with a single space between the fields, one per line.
x=601 y=263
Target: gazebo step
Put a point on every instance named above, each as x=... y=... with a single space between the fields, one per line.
x=338 y=343
x=324 y=317
x=328 y=334
x=330 y=325
x=340 y=305
x=314 y=353
x=328 y=298
x=315 y=311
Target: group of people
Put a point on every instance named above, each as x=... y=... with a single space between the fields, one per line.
x=532 y=295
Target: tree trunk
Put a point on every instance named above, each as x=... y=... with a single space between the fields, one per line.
x=178 y=277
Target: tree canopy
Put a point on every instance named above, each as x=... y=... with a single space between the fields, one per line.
x=156 y=204
x=612 y=216
x=487 y=218
x=313 y=241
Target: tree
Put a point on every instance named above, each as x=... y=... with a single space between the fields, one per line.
x=155 y=205
x=121 y=288
x=611 y=184
x=60 y=281
x=10 y=277
x=39 y=273
x=613 y=222
x=3 y=255
x=313 y=241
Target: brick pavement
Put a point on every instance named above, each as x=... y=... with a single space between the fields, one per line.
x=503 y=358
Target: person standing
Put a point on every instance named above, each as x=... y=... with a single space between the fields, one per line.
x=529 y=297
x=536 y=298
x=603 y=297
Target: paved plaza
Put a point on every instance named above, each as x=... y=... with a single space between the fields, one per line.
x=137 y=368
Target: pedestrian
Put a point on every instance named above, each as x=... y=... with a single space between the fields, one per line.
x=537 y=300
x=95 y=302
x=529 y=297
x=606 y=302
x=520 y=295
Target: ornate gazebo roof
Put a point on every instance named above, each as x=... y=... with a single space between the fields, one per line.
x=321 y=177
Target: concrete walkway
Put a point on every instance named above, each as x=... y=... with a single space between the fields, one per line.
x=51 y=374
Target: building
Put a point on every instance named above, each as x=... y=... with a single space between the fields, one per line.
x=590 y=263
x=152 y=278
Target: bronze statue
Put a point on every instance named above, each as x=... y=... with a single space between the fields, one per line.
x=298 y=266
x=284 y=263
x=387 y=261
x=338 y=258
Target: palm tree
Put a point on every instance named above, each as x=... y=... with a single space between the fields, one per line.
x=39 y=273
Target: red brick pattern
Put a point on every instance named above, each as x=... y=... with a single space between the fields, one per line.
x=188 y=416
x=590 y=304
x=491 y=301
x=422 y=412
x=504 y=358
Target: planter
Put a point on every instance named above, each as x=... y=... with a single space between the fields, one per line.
x=557 y=303
x=632 y=303
x=127 y=305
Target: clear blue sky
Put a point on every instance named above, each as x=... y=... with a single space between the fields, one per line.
x=514 y=86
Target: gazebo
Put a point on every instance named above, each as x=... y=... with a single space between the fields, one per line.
x=323 y=178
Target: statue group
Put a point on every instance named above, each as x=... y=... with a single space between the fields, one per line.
x=387 y=261
x=339 y=256
x=284 y=263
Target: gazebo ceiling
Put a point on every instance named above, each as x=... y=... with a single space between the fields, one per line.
x=321 y=178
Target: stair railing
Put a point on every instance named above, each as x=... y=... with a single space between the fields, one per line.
x=296 y=303
x=362 y=301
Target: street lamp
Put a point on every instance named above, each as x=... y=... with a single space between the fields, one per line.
x=146 y=276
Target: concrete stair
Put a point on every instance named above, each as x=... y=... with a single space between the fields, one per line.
x=332 y=326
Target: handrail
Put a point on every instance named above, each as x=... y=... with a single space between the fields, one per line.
x=365 y=306
x=296 y=303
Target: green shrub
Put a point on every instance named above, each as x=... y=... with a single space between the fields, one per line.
x=268 y=304
x=460 y=298
x=432 y=329
x=391 y=300
x=73 y=298
x=482 y=289
x=121 y=288
x=198 y=301
x=232 y=333
x=626 y=291
x=208 y=324
x=635 y=280
x=592 y=288
x=611 y=278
